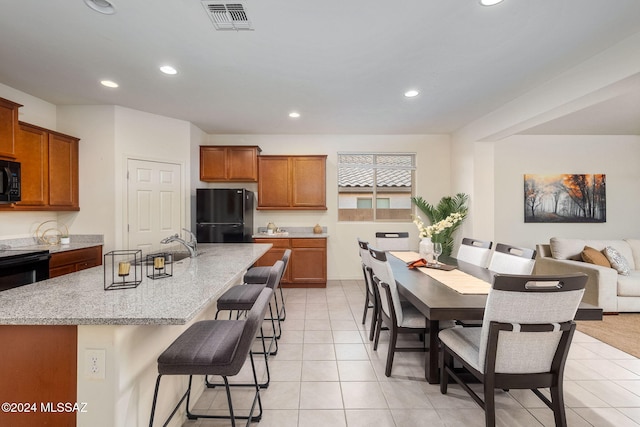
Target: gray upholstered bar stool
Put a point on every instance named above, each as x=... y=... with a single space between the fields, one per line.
x=214 y=347
x=258 y=275
x=241 y=298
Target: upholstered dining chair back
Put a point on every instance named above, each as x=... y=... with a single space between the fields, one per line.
x=507 y=259
x=524 y=300
x=474 y=251
x=392 y=241
x=382 y=270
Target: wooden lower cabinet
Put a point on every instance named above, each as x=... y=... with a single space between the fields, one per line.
x=307 y=265
x=39 y=367
x=66 y=262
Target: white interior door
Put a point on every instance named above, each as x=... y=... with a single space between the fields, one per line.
x=154 y=195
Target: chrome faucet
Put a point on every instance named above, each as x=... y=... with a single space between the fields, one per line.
x=191 y=245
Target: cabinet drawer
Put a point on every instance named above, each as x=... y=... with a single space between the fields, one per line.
x=79 y=258
x=308 y=243
x=277 y=243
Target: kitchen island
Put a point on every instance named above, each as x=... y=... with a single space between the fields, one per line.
x=116 y=337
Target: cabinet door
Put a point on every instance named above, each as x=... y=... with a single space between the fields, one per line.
x=308 y=265
x=212 y=163
x=8 y=127
x=308 y=262
x=242 y=164
x=63 y=172
x=274 y=182
x=308 y=182
x=32 y=152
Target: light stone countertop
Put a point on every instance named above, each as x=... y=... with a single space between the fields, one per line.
x=291 y=233
x=80 y=299
x=78 y=241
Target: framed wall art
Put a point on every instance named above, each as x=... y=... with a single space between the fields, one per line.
x=565 y=198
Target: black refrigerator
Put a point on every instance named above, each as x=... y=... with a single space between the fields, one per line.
x=224 y=215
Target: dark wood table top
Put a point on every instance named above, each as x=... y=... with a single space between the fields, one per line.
x=439 y=302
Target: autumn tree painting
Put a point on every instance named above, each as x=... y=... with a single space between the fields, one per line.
x=565 y=198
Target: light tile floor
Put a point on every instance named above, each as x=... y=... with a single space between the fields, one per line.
x=327 y=374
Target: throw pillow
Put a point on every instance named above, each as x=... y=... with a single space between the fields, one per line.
x=617 y=261
x=594 y=256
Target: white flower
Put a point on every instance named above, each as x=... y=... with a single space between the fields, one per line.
x=438 y=227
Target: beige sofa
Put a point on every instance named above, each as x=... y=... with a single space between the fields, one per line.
x=605 y=288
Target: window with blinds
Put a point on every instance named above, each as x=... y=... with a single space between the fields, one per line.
x=375 y=186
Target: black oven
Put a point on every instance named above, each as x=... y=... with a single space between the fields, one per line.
x=21 y=267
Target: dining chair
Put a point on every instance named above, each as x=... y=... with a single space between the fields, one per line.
x=392 y=241
x=523 y=342
x=400 y=316
x=508 y=259
x=474 y=251
x=371 y=299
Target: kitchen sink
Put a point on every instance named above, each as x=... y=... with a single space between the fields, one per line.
x=169 y=257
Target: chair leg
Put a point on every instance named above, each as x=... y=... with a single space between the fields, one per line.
x=283 y=311
x=489 y=405
x=393 y=338
x=374 y=318
x=377 y=338
x=155 y=400
x=366 y=307
x=447 y=361
x=557 y=400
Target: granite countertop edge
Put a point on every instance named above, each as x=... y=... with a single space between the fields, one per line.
x=80 y=298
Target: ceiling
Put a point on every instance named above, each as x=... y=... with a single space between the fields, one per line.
x=343 y=65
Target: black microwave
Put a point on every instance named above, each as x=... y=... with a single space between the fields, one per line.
x=9 y=181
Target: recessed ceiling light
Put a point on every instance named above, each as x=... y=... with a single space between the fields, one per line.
x=411 y=93
x=490 y=2
x=168 y=69
x=101 y=6
x=294 y=114
x=109 y=83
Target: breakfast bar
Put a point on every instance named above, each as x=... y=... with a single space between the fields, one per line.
x=75 y=354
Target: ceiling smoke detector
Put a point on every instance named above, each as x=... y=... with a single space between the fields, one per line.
x=227 y=16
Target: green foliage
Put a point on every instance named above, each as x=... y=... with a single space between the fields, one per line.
x=445 y=207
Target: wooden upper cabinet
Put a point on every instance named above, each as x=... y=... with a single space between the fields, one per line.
x=292 y=182
x=63 y=172
x=237 y=163
x=49 y=169
x=274 y=182
x=8 y=125
x=32 y=149
x=308 y=182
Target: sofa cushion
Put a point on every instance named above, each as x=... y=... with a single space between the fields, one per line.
x=566 y=248
x=617 y=260
x=635 y=251
x=629 y=286
x=594 y=256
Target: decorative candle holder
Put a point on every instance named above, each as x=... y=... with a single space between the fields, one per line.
x=159 y=265
x=122 y=269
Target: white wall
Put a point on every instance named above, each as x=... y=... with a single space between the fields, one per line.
x=432 y=182
x=615 y=156
x=95 y=125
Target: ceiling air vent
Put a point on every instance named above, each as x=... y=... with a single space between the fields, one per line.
x=227 y=16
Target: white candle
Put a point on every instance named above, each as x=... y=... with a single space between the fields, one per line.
x=123 y=268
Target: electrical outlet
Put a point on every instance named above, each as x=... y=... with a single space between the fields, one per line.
x=94 y=364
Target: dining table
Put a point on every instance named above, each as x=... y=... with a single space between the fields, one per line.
x=438 y=302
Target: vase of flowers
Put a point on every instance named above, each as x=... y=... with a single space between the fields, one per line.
x=437 y=233
x=438 y=214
